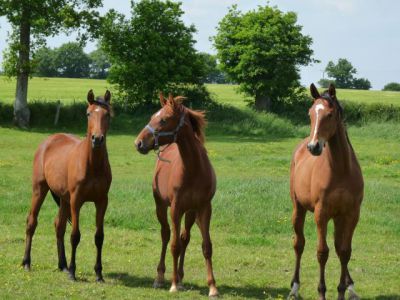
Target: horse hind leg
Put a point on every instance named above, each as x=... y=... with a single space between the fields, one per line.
x=204 y=218
x=344 y=229
x=39 y=191
x=60 y=225
x=190 y=218
x=298 y=218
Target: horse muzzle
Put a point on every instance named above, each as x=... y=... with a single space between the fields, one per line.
x=315 y=148
x=141 y=147
x=97 y=141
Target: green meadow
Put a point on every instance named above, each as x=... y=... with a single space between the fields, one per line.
x=251 y=224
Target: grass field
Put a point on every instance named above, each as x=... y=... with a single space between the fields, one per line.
x=251 y=228
x=68 y=90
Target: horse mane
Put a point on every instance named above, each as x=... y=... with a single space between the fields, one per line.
x=198 y=121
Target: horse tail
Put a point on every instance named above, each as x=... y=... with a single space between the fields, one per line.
x=57 y=200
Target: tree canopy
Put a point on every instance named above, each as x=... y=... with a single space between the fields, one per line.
x=343 y=73
x=262 y=50
x=32 y=21
x=392 y=86
x=152 y=49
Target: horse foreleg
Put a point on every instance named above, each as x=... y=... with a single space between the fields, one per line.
x=204 y=224
x=190 y=217
x=162 y=217
x=298 y=217
x=39 y=192
x=344 y=229
x=60 y=224
x=101 y=208
x=322 y=251
x=75 y=235
x=176 y=217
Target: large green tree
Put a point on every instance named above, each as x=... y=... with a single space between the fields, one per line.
x=343 y=73
x=149 y=51
x=262 y=50
x=71 y=61
x=32 y=21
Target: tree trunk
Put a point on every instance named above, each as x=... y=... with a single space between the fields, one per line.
x=21 y=110
x=263 y=102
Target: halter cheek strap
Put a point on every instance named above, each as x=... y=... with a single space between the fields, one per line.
x=156 y=134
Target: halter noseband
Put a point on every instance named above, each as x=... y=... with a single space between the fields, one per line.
x=156 y=134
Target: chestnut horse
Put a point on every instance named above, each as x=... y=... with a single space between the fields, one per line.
x=325 y=178
x=184 y=180
x=74 y=171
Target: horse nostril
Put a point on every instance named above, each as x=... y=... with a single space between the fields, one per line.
x=101 y=138
x=93 y=137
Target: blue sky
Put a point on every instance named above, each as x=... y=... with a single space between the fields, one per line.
x=366 y=32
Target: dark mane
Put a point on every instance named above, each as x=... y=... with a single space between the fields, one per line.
x=198 y=122
x=335 y=102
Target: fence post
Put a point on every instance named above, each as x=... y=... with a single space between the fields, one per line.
x=57 y=113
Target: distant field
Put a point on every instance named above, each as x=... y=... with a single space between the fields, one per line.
x=69 y=89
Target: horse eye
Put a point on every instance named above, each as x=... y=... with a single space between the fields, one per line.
x=163 y=121
x=88 y=114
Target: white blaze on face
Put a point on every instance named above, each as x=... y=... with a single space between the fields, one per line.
x=97 y=109
x=318 y=107
x=159 y=112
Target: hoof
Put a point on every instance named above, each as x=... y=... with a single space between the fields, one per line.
x=294 y=293
x=176 y=288
x=158 y=284
x=352 y=293
x=72 y=277
x=100 y=280
x=27 y=267
x=213 y=293
x=173 y=289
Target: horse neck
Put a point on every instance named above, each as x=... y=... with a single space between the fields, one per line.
x=95 y=158
x=191 y=151
x=340 y=154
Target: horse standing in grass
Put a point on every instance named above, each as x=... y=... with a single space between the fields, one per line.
x=74 y=171
x=325 y=178
x=184 y=180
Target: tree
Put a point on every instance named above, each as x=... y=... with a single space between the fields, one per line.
x=71 y=61
x=43 y=63
x=151 y=50
x=212 y=72
x=361 y=84
x=342 y=72
x=32 y=21
x=324 y=83
x=262 y=51
x=392 y=86
x=100 y=64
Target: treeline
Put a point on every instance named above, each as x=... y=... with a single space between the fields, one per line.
x=70 y=60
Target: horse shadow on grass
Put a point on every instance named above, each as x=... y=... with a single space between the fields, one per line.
x=247 y=291
x=384 y=297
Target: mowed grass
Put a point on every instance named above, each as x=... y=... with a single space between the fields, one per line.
x=251 y=228
x=68 y=90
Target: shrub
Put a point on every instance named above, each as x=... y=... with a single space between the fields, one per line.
x=392 y=86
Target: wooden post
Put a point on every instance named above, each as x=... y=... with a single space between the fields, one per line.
x=57 y=112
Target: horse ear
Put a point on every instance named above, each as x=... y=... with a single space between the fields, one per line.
x=107 y=96
x=171 y=100
x=332 y=90
x=314 y=92
x=90 y=97
x=163 y=101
